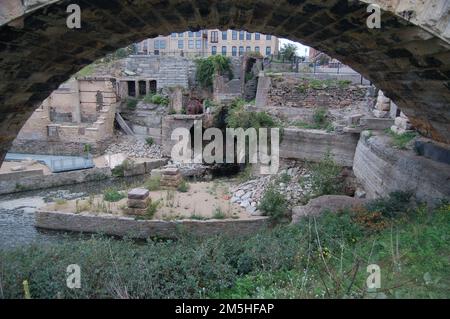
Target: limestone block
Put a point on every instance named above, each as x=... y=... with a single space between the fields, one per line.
x=171 y=171
x=136 y=211
x=138 y=193
x=139 y=203
x=380 y=114
x=403 y=123
x=354 y=119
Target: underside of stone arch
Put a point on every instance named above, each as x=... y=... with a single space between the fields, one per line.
x=408 y=58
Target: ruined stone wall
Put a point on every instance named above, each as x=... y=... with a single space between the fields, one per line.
x=313 y=145
x=293 y=90
x=382 y=169
x=128 y=226
x=168 y=71
x=52 y=128
x=170 y=123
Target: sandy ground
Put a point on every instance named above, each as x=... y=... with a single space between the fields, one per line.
x=28 y=165
x=203 y=200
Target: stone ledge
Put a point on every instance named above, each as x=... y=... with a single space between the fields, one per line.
x=142 y=229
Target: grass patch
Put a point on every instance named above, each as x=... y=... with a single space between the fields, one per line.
x=153 y=183
x=183 y=187
x=112 y=195
x=218 y=214
x=320 y=121
x=400 y=141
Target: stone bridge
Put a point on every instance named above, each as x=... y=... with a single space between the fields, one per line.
x=408 y=58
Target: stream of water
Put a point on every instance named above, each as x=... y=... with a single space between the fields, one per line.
x=17 y=211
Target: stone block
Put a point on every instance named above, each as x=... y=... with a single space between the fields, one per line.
x=139 y=203
x=138 y=193
x=171 y=171
x=403 y=123
x=354 y=119
x=136 y=211
x=380 y=114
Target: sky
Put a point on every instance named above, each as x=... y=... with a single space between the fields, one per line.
x=300 y=47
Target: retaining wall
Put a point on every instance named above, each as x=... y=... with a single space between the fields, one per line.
x=127 y=226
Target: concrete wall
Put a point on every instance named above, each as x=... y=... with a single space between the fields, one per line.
x=382 y=169
x=312 y=145
x=127 y=226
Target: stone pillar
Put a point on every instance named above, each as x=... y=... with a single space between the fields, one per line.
x=76 y=106
x=138 y=201
x=171 y=177
x=136 y=88
x=147 y=86
x=383 y=105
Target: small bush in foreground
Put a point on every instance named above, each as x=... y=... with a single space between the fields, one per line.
x=273 y=204
x=112 y=195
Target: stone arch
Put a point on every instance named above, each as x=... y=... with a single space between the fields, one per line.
x=408 y=58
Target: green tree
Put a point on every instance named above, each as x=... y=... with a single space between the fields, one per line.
x=288 y=51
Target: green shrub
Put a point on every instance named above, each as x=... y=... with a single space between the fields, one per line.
x=118 y=171
x=208 y=67
x=325 y=177
x=131 y=103
x=183 y=187
x=152 y=209
x=153 y=183
x=396 y=203
x=285 y=178
x=273 y=204
x=149 y=141
x=112 y=195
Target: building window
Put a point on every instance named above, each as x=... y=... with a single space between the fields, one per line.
x=234 y=51
x=191 y=44
x=234 y=35
x=159 y=44
x=268 y=51
x=224 y=50
x=224 y=35
x=180 y=35
x=268 y=37
x=249 y=36
x=180 y=44
x=174 y=35
x=213 y=50
x=198 y=44
x=241 y=35
x=241 y=51
x=190 y=34
x=257 y=49
x=198 y=34
x=257 y=36
x=214 y=36
x=248 y=49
